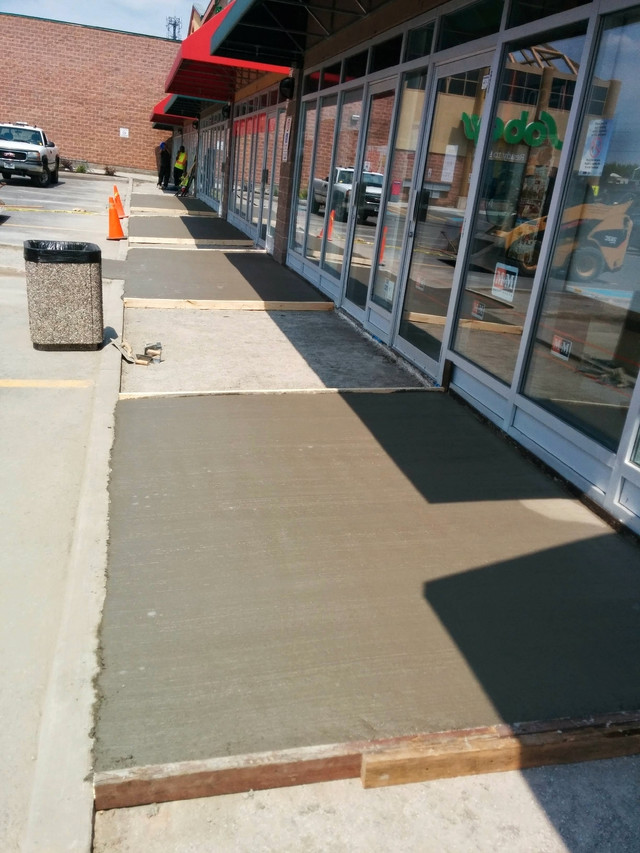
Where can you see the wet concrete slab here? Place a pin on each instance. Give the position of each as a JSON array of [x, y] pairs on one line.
[[209, 274], [169, 203], [185, 230], [293, 570], [216, 351]]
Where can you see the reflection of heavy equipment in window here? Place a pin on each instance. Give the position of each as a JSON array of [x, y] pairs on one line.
[[593, 238]]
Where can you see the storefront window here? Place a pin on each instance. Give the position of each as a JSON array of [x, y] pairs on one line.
[[419, 42], [321, 170], [441, 203], [275, 129], [336, 212], [471, 22], [240, 138], [525, 11], [257, 166], [635, 458], [307, 136], [362, 201], [356, 66], [584, 360], [386, 54], [398, 189], [517, 185], [331, 76]]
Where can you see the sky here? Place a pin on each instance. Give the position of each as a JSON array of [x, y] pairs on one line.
[[133, 16]]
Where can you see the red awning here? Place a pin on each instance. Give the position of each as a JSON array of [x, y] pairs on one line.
[[159, 116], [198, 74]]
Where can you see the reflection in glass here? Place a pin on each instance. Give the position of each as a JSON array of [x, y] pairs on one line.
[[536, 93], [386, 54], [356, 66], [440, 206], [321, 169], [584, 360], [275, 129], [246, 169], [470, 22], [307, 135], [239, 133], [335, 186], [220, 137], [331, 76], [635, 457], [368, 195], [419, 42], [398, 189], [256, 185]]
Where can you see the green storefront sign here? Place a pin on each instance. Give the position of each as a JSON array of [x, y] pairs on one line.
[[533, 133]]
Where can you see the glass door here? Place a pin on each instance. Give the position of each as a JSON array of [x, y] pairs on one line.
[[331, 185], [359, 199], [265, 177], [439, 205], [270, 205], [395, 209]]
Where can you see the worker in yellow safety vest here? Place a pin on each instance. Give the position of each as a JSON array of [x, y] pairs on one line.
[[179, 167]]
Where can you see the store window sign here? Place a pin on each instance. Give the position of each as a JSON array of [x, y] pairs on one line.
[[596, 146], [478, 309], [449, 164], [533, 133], [561, 347], [505, 278], [285, 139]]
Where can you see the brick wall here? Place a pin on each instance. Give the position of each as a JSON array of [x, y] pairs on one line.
[[82, 84]]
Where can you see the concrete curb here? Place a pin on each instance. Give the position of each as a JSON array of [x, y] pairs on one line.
[[61, 807]]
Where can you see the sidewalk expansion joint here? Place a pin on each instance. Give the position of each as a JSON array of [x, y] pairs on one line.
[[227, 304], [189, 241]]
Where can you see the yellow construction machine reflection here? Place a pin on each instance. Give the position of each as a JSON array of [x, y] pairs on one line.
[[593, 239]]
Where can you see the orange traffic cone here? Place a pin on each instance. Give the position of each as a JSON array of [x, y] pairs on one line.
[[115, 228], [332, 216], [118, 203]]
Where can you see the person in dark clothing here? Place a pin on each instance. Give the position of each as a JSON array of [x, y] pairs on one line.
[[164, 168]]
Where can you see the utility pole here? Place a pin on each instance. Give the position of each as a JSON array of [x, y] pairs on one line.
[[173, 28]]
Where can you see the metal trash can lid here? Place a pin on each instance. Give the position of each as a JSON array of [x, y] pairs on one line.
[[61, 252]]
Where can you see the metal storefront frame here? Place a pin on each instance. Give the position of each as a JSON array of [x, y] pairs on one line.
[[595, 470]]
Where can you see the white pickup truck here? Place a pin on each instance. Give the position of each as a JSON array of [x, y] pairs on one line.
[[25, 151], [370, 192]]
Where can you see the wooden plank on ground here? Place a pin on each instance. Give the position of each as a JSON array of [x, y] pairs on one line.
[[498, 749], [391, 761], [116, 789], [228, 304]]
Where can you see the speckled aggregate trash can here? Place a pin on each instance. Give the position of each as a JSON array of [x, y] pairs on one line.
[[64, 294]]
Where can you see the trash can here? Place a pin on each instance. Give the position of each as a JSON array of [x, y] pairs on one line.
[[64, 294]]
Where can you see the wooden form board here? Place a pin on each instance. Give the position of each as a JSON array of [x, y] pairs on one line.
[[497, 749], [393, 761], [227, 304]]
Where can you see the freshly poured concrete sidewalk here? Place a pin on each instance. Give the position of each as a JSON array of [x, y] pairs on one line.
[[290, 571]]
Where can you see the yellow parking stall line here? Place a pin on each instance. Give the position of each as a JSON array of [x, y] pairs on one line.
[[16, 209], [45, 383], [24, 226]]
